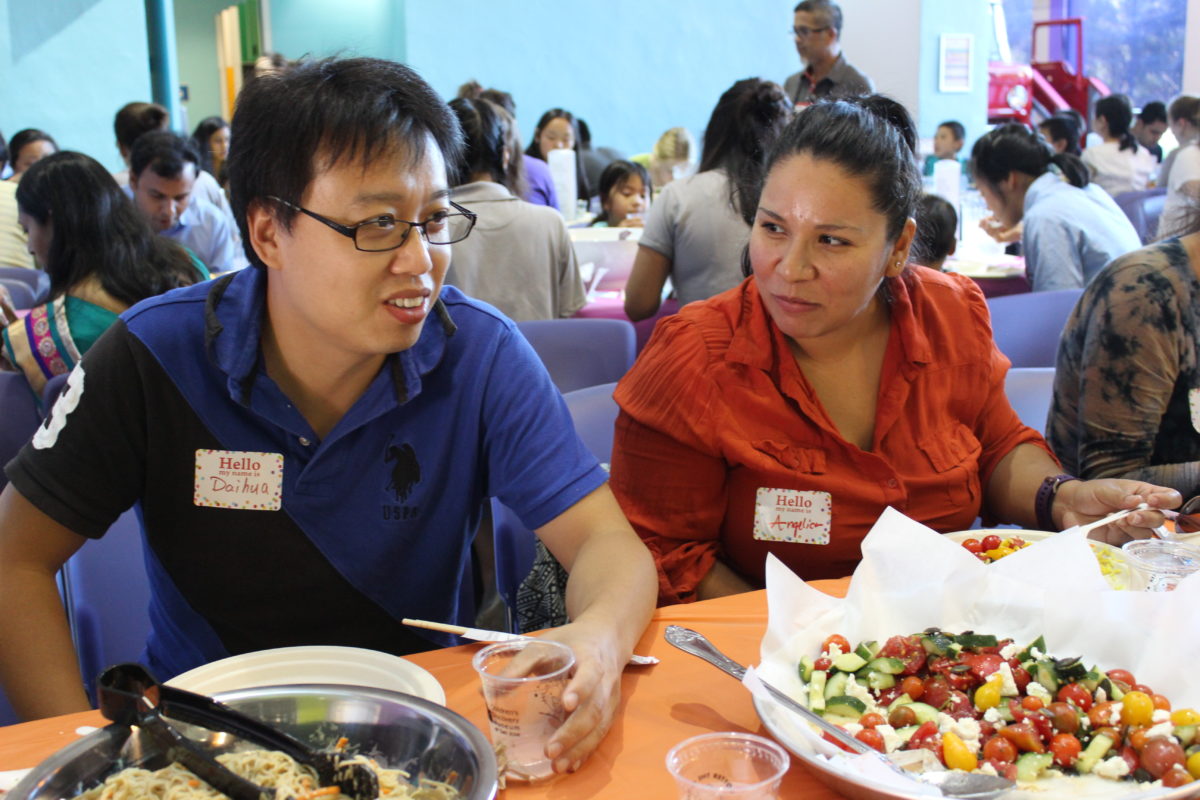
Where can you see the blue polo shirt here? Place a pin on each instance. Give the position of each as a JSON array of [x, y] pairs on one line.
[[374, 522]]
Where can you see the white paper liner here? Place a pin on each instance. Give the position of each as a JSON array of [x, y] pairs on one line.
[[912, 578]]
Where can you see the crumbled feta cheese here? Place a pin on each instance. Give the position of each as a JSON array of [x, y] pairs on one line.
[[1009, 650], [1008, 686], [1101, 695], [1162, 729], [1114, 717], [987, 769], [1160, 715], [992, 715], [834, 651], [968, 731], [945, 721], [1035, 689], [857, 690], [1038, 655], [853, 728], [891, 740], [1113, 768], [1053, 773], [1085, 721]]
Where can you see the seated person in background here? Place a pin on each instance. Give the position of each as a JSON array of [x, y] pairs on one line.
[[14, 244], [595, 159], [527, 177], [1062, 133], [1128, 372], [1180, 173], [336, 370], [162, 173], [947, 143], [1119, 164], [1149, 126], [556, 130], [519, 256], [624, 195], [101, 257], [937, 232], [833, 382], [1069, 234], [26, 148], [134, 119], [697, 226], [211, 140], [673, 157]]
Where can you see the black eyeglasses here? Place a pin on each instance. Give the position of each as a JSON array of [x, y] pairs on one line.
[[379, 234], [803, 31]]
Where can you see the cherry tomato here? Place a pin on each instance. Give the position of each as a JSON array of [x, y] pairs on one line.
[[913, 686], [1137, 709], [822, 662], [1077, 694], [1023, 735], [983, 558], [972, 545], [1122, 676], [871, 720], [1101, 714], [1185, 716], [1066, 749], [1143, 688], [959, 706], [1160, 754], [1176, 776], [1021, 678], [902, 717], [937, 691], [837, 639], [1015, 711], [1064, 716], [1131, 758], [1193, 764], [999, 749], [983, 664], [908, 649], [1030, 703], [988, 695], [1161, 702], [990, 542], [958, 755], [926, 737], [889, 696], [1137, 738], [1003, 769], [1043, 725], [1016, 542], [871, 738], [834, 741]]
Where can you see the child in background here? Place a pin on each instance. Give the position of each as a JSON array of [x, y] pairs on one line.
[[947, 143], [624, 195], [937, 226]]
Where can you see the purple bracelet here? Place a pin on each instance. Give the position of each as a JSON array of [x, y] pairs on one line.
[[1044, 501]]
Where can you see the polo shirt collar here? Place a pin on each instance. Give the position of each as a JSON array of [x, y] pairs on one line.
[[1044, 185], [757, 342], [836, 74], [233, 315]]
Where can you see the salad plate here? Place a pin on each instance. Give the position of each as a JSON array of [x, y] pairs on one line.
[[1113, 563]]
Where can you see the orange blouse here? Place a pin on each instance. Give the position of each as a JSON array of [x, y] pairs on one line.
[[716, 408]]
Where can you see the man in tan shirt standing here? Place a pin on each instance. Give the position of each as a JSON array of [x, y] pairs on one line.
[[817, 29]]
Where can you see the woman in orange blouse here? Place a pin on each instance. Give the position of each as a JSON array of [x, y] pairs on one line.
[[784, 415]]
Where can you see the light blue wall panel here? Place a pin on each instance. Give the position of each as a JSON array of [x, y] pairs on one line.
[[954, 16], [350, 27], [67, 66], [196, 46]]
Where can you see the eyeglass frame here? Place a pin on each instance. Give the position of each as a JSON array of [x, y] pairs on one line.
[[803, 31], [351, 231]]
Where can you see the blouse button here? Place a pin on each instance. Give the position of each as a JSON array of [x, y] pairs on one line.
[[892, 483], [304, 442]]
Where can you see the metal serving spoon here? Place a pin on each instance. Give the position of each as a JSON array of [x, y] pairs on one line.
[[966, 785]]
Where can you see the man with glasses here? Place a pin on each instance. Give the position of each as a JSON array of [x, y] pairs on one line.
[[310, 441], [817, 31]]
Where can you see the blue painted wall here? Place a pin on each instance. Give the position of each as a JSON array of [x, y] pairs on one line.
[[632, 69], [350, 28], [954, 16], [67, 66], [196, 47]]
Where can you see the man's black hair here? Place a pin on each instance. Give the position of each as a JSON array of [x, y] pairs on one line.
[[318, 114], [164, 152], [956, 128], [135, 119], [831, 11], [1152, 112]]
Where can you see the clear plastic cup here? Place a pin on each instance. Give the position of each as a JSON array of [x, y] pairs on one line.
[[1156, 565], [728, 766], [524, 708]]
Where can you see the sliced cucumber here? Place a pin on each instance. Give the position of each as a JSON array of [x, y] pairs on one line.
[[937, 643], [902, 700], [1032, 765], [1097, 749], [924, 712], [836, 684], [849, 662], [1043, 672], [867, 650], [892, 666], [845, 706], [1027, 655], [816, 690], [806, 668], [1092, 680], [1070, 669], [974, 641], [1186, 734], [906, 732], [880, 680]]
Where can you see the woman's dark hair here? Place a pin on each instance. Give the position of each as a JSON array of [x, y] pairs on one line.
[[484, 137], [1118, 116], [1014, 148], [96, 230], [27, 137], [859, 136], [134, 119], [613, 176], [3, 151], [1062, 129], [583, 189], [937, 230], [318, 114], [514, 176], [745, 122], [201, 138]]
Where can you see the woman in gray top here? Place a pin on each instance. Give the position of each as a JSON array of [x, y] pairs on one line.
[[697, 228]]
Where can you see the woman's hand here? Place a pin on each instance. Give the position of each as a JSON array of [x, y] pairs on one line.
[[592, 696], [996, 229], [1079, 502]]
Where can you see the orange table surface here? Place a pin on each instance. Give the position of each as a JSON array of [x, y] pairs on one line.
[[661, 705]]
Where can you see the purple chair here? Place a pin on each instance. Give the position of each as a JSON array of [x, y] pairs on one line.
[[37, 281], [1027, 327], [1030, 391], [22, 296], [594, 413], [1143, 209], [580, 352]]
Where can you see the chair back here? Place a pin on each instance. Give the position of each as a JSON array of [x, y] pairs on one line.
[[1027, 326], [1030, 391], [22, 296], [1143, 209], [36, 279], [582, 352], [594, 413]]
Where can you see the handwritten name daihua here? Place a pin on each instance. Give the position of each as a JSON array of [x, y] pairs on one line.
[[246, 486]]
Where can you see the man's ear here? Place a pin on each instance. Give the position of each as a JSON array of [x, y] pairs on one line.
[[132, 181], [265, 231]]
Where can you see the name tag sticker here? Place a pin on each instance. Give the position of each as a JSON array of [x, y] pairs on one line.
[[239, 479], [792, 515]]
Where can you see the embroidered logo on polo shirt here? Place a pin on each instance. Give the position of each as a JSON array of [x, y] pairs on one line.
[[406, 472], [47, 433]]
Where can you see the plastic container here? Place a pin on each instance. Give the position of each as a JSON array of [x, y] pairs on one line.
[[1157, 565]]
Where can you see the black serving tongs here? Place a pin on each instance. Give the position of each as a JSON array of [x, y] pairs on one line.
[[129, 695]]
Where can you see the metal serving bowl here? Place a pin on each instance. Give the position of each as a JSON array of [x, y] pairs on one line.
[[398, 730]]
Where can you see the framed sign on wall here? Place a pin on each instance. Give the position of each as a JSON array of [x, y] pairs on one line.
[[954, 62]]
